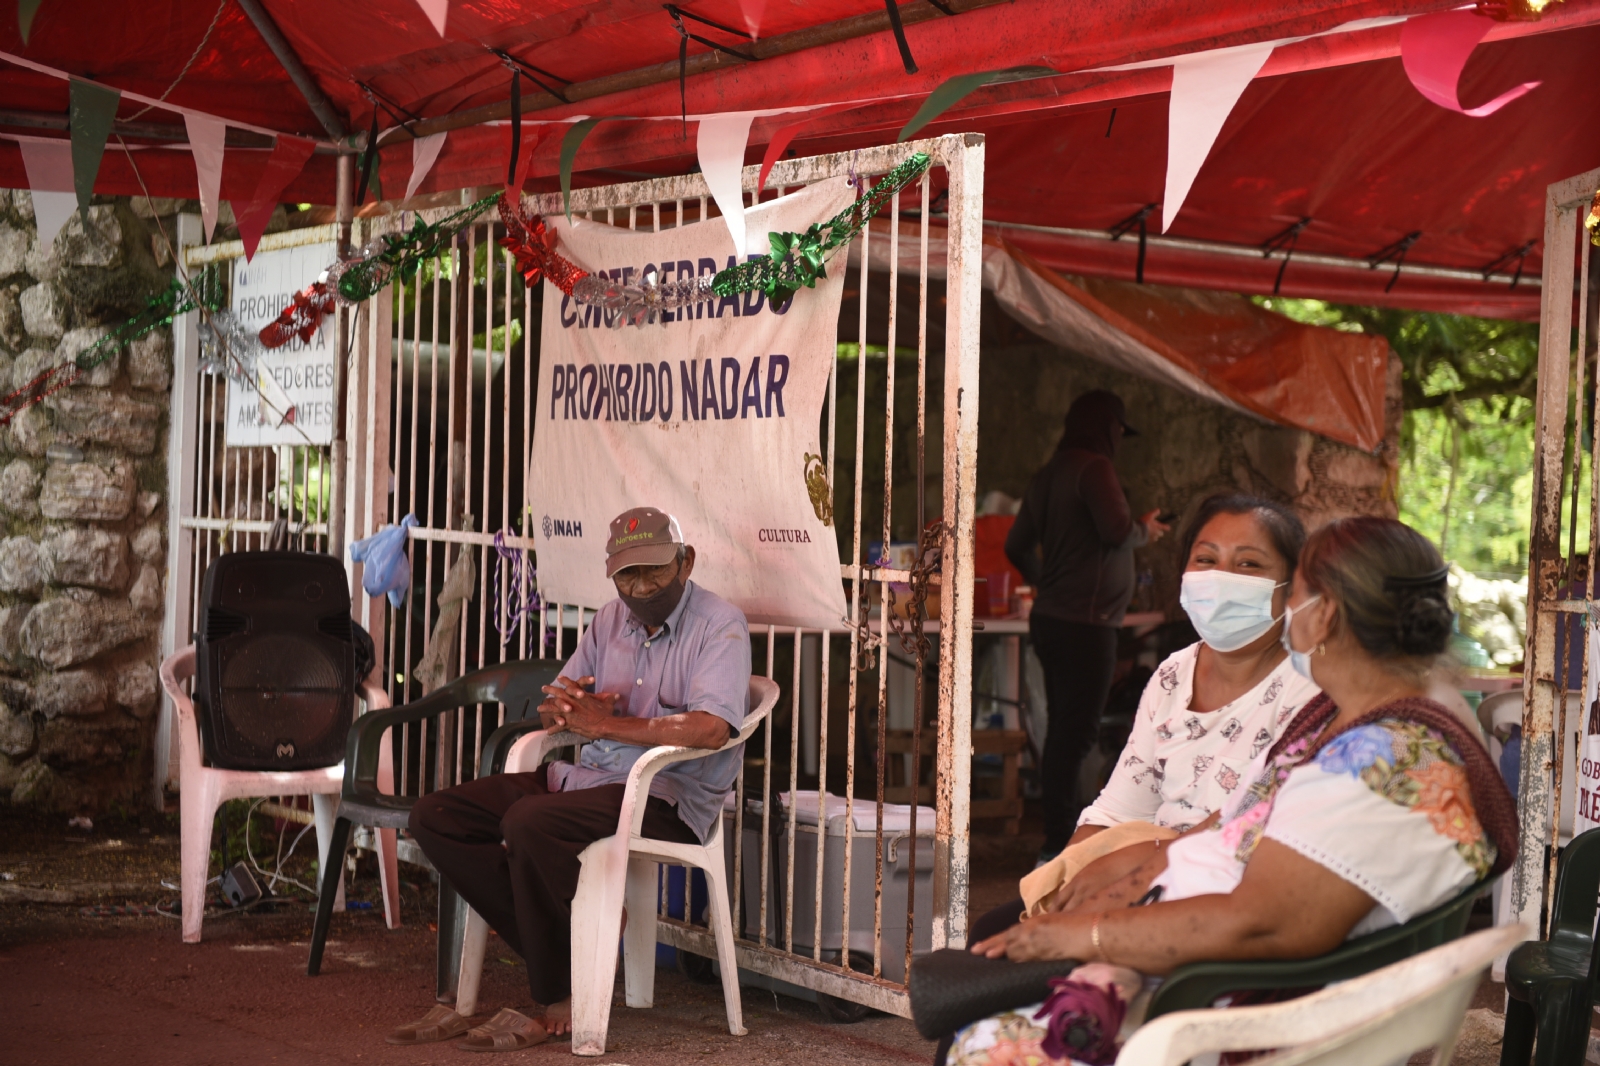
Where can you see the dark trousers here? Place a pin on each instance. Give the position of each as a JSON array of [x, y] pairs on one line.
[[1078, 660], [524, 886]]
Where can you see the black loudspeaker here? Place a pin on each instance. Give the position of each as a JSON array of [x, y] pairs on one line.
[[276, 680]]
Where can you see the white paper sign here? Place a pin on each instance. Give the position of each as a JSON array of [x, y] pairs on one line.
[[712, 416], [303, 370]]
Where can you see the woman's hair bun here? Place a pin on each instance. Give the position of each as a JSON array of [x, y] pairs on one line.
[[1425, 621]]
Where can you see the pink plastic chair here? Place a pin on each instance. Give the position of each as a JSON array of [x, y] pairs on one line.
[[202, 789]]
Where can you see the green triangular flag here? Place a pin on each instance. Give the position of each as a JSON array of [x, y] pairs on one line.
[[569, 152], [26, 9], [94, 110], [951, 92]]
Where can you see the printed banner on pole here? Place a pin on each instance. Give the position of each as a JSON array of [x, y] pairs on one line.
[[293, 402], [1587, 816], [713, 415]]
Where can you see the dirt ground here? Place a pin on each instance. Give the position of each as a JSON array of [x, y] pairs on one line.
[[83, 985]]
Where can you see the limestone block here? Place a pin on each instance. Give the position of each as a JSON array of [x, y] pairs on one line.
[[148, 502], [16, 732], [1282, 456], [35, 784], [75, 341], [30, 364], [19, 488], [1352, 468], [147, 547], [150, 361], [74, 693], [136, 686], [13, 250], [91, 557], [95, 243], [102, 417], [31, 431], [45, 311], [22, 200], [11, 619], [12, 332], [155, 207], [23, 567], [65, 744], [87, 491], [64, 632], [145, 596], [43, 261]]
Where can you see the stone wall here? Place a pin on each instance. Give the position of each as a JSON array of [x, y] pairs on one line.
[[1187, 450], [82, 515]]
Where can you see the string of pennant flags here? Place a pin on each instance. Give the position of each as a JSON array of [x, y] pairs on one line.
[[1205, 87]]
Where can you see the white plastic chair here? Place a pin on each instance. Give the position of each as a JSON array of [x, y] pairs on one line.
[[202, 789], [620, 871], [1380, 1018]]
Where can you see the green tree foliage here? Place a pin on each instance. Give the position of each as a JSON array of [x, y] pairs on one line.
[[1466, 449]]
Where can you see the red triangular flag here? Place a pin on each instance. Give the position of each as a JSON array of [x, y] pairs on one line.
[[288, 159]]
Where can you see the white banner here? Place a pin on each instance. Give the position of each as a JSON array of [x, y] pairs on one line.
[[1587, 816], [303, 370], [712, 416]]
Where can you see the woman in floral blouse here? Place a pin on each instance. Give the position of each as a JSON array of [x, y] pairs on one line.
[[1375, 805]]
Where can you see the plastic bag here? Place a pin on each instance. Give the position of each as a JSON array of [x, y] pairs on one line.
[[387, 567]]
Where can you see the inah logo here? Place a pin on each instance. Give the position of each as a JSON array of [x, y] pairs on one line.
[[561, 527]]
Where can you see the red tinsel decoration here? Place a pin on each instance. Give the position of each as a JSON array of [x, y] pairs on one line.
[[534, 246], [300, 318]]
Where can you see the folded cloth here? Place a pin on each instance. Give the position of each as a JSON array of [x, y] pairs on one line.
[[1042, 883]]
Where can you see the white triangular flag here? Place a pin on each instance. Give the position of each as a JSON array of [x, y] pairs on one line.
[[437, 11], [49, 168], [720, 144], [207, 136], [424, 151], [1204, 89]]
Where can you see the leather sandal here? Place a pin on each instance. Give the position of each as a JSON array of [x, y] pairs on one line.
[[440, 1023], [506, 1031]]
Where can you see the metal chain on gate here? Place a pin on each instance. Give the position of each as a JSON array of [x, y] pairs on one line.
[[910, 630]]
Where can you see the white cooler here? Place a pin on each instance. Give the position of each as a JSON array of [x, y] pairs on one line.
[[897, 862]]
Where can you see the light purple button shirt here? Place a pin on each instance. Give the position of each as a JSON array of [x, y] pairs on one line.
[[698, 661]]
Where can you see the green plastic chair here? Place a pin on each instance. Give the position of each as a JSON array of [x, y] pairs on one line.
[[519, 686], [1199, 985], [1550, 984]]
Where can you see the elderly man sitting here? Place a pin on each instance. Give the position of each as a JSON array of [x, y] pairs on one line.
[[668, 663]]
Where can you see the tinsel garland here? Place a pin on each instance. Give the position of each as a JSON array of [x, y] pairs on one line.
[[533, 245], [799, 259], [176, 299], [1591, 221], [399, 255], [301, 317]]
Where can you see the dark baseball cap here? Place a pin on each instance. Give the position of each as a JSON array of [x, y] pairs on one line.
[[642, 536]]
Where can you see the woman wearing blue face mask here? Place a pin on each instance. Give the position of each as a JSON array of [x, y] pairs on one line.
[[1209, 709]]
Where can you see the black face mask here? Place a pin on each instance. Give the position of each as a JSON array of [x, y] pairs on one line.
[[652, 611]]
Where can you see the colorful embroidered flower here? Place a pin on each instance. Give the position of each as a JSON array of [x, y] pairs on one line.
[[1445, 797], [1353, 751]]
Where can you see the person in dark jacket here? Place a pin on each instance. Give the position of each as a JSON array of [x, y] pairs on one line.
[[1073, 541]]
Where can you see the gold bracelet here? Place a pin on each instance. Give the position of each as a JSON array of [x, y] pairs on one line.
[[1094, 938]]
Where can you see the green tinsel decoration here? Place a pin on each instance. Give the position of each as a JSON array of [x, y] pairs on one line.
[[402, 253], [799, 259]]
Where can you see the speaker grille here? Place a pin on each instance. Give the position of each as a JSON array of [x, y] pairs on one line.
[[336, 626], [281, 685], [222, 623]]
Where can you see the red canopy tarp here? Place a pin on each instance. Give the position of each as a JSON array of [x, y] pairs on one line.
[[1331, 129]]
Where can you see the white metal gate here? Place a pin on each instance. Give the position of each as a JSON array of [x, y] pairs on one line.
[[440, 423], [1563, 599]]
